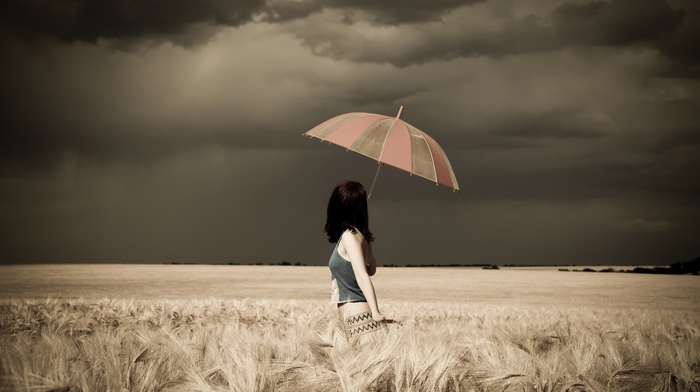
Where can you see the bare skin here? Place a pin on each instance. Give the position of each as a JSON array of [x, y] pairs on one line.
[[355, 249]]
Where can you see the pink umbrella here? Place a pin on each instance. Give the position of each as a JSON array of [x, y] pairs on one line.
[[391, 141]]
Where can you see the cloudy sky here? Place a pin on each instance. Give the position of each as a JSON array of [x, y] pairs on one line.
[[150, 131]]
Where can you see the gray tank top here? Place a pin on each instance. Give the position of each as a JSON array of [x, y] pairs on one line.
[[344, 287]]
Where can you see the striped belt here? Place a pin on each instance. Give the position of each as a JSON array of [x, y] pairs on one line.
[[359, 324]]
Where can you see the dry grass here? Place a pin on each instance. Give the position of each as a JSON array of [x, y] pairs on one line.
[[211, 328], [263, 345]]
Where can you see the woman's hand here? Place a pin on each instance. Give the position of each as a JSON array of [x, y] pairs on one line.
[[378, 317]]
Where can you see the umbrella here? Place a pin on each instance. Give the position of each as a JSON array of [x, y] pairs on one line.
[[391, 141]]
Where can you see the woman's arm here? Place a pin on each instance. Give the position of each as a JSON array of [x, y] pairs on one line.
[[353, 246], [372, 266]]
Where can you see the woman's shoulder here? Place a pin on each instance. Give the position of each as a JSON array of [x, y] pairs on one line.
[[353, 235]]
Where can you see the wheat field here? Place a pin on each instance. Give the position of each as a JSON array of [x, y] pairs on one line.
[[263, 328]]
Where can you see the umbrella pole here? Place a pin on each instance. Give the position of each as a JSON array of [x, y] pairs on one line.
[[374, 182]]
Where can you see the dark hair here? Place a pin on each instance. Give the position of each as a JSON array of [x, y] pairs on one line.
[[347, 210]]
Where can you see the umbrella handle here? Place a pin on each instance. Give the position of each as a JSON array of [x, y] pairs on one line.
[[374, 182]]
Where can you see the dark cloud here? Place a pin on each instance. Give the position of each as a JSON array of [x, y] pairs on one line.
[[437, 30], [181, 21], [463, 33], [378, 12], [616, 23], [572, 150], [675, 139], [89, 21], [365, 42], [63, 99], [579, 124], [680, 46], [412, 11]]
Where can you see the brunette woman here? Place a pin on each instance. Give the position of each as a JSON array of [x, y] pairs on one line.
[[352, 263]]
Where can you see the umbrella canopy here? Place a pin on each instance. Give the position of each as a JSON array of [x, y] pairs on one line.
[[391, 141]]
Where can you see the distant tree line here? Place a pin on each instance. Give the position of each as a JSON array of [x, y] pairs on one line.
[[258, 263], [484, 266], [681, 268]]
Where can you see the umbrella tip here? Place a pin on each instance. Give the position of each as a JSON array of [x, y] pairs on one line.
[[400, 111]]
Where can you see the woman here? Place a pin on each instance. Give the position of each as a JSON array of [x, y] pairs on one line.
[[352, 263]]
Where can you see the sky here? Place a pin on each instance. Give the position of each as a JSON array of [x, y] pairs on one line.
[[143, 131]]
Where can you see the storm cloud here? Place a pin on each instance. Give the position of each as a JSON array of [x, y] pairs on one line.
[[171, 132], [88, 21], [485, 29]]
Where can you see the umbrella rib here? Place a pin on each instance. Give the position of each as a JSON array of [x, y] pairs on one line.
[[386, 139], [432, 158]]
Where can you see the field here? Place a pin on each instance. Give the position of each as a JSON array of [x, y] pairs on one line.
[[245, 328]]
